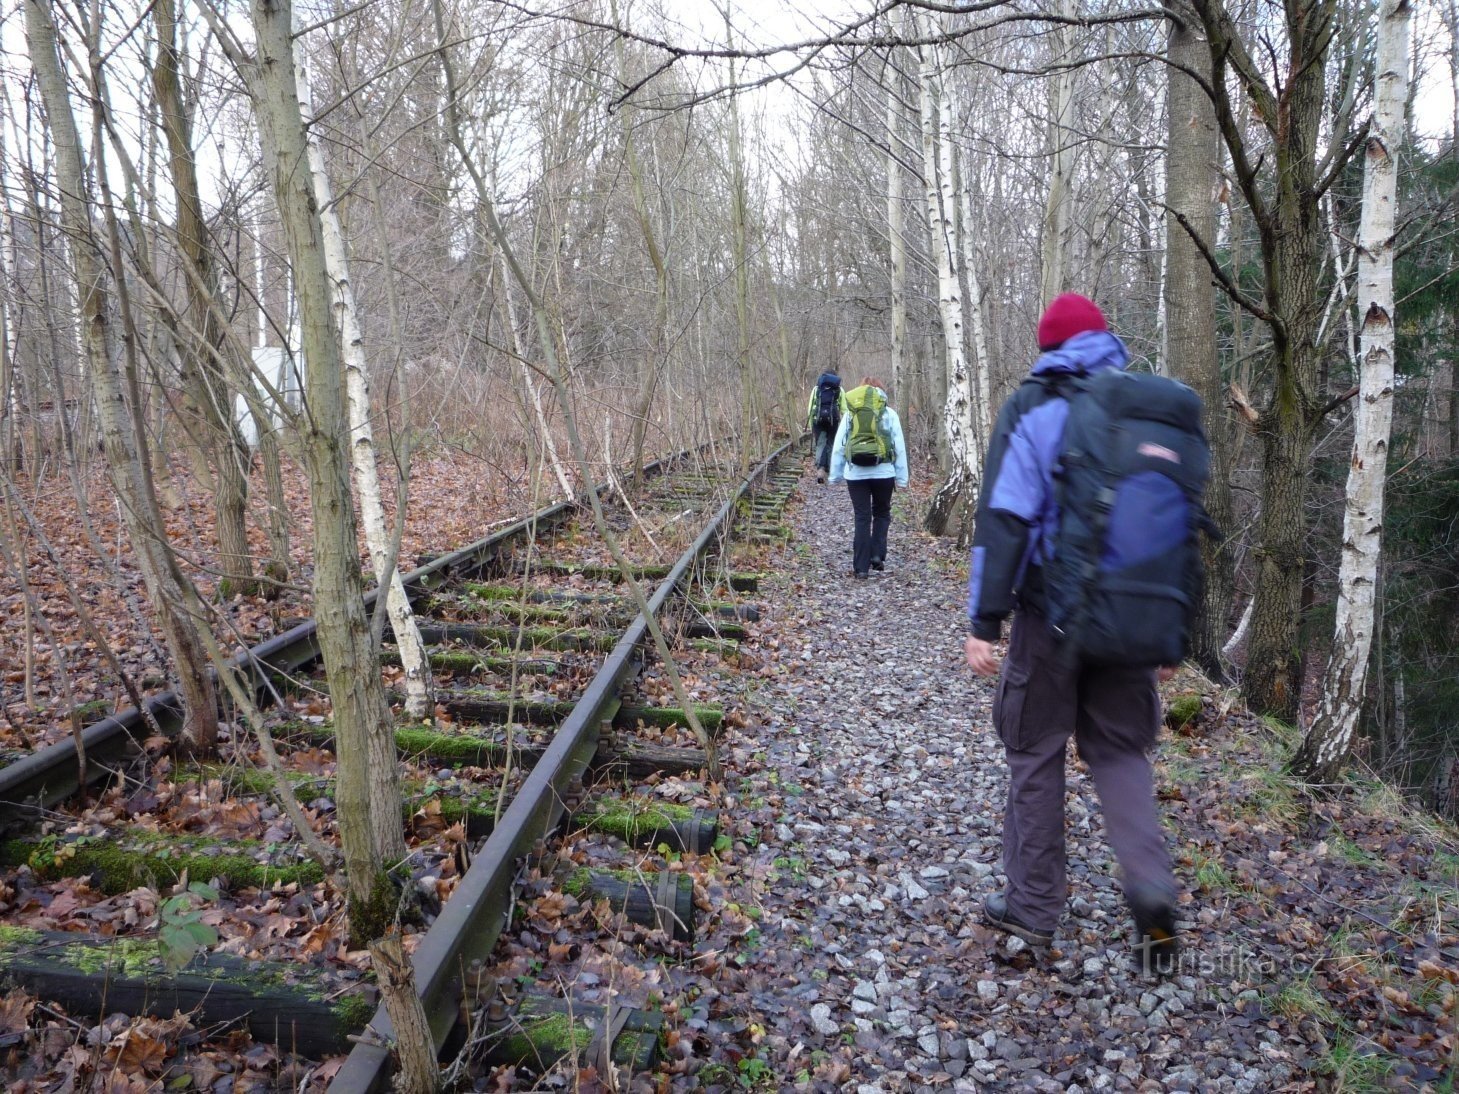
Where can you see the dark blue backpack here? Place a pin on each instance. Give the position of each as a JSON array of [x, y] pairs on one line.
[[1125, 579], [828, 401]]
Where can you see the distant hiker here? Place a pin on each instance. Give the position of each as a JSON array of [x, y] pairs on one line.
[[870, 454], [823, 415], [1054, 683]]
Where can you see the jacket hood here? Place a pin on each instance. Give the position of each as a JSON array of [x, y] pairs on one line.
[[1086, 353]]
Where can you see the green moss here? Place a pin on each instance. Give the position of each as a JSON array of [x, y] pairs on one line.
[[354, 1010], [371, 917], [451, 748], [130, 957], [724, 647], [479, 808], [710, 717], [629, 818], [155, 860], [546, 1038], [580, 882], [12, 938], [1183, 710], [483, 591]]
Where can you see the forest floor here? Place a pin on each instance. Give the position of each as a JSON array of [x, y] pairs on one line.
[[50, 664], [1321, 946]]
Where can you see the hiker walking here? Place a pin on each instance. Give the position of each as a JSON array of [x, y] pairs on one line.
[[1090, 673], [871, 455], [823, 415]]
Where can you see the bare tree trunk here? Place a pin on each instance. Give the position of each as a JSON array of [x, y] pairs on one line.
[[379, 541], [1192, 354], [1284, 202], [1058, 208], [170, 595], [739, 212], [658, 349], [1330, 737], [204, 375], [371, 834]]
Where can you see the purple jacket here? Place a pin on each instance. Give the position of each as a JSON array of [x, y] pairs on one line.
[[1017, 514]]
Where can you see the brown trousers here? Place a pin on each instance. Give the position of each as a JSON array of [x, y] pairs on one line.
[[1113, 716]]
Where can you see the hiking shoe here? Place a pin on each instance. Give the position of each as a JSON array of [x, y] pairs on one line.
[[1157, 943], [820, 476], [878, 564], [996, 915], [860, 574]]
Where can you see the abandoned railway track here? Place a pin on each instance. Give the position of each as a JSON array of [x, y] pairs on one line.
[[554, 796]]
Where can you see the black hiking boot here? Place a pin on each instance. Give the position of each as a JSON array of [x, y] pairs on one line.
[[878, 564], [995, 915], [1157, 942]]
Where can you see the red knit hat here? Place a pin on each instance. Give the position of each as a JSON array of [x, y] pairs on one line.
[[1066, 316]]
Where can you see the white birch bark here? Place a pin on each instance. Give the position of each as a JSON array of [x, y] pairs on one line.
[[895, 235], [951, 503], [981, 371], [1058, 208], [378, 538], [1330, 737]]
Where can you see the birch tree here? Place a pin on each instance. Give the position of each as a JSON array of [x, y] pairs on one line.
[[1330, 736], [378, 539], [951, 506], [896, 229]]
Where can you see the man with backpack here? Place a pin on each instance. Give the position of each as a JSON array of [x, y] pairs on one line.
[[823, 415], [1087, 523], [870, 454]]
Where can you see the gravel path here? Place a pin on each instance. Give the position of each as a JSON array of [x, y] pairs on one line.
[[875, 784]]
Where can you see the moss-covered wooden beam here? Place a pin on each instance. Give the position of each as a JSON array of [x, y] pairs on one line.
[[540, 1030], [629, 759], [722, 647], [481, 705], [473, 804], [722, 608], [711, 717], [661, 900], [596, 571], [449, 660], [119, 862], [650, 822], [506, 638], [297, 1007]]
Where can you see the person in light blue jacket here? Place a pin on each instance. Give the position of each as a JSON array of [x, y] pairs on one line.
[[870, 453]]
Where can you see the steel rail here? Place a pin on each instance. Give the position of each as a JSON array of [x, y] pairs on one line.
[[472, 919], [50, 775]]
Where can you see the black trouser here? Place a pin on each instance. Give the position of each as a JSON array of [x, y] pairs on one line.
[[824, 435], [871, 501]]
